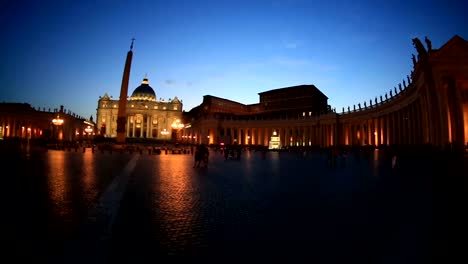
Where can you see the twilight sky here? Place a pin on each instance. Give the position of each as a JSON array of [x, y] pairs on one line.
[[71, 52]]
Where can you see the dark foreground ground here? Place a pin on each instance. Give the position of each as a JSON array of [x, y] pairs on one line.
[[74, 207]]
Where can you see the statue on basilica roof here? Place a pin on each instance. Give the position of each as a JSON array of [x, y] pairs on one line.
[[428, 43]]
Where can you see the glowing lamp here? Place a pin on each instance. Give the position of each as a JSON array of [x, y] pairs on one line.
[[57, 121]]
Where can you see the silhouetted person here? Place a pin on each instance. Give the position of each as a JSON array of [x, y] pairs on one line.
[[198, 155], [205, 155], [226, 152]]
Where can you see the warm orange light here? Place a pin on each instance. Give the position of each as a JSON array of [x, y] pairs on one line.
[[164, 132], [88, 129], [177, 124], [57, 121]]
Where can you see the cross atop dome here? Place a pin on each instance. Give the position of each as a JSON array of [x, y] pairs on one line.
[[131, 46]]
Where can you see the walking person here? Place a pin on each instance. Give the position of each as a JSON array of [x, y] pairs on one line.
[[198, 156], [205, 155]]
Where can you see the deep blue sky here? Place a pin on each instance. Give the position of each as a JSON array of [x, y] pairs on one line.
[[72, 52]]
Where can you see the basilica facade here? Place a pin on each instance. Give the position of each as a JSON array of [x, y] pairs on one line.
[[146, 116]]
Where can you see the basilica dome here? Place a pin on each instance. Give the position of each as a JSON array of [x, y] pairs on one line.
[[144, 92]]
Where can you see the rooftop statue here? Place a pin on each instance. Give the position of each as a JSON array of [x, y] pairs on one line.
[[428, 43], [422, 53]]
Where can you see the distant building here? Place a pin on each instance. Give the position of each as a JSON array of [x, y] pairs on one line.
[[21, 121], [429, 107], [283, 103], [147, 117]]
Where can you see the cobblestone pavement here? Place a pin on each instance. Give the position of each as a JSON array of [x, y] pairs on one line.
[[74, 207]]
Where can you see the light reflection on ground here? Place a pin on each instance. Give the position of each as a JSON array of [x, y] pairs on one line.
[[57, 182]]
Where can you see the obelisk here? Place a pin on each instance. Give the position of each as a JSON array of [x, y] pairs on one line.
[[122, 114]]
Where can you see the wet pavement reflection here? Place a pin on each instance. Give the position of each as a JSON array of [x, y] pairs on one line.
[[287, 204]]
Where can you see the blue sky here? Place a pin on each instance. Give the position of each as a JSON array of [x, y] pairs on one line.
[[71, 52]]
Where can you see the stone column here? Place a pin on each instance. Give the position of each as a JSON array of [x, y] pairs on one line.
[[127, 127], [148, 126]]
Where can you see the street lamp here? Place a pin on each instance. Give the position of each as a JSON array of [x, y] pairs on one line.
[[58, 122], [177, 125], [164, 132], [88, 130]]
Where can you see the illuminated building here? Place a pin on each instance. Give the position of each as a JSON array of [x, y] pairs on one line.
[[146, 116], [429, 107], [21, 121]]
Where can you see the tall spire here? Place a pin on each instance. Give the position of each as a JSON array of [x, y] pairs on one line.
[[122, 112]]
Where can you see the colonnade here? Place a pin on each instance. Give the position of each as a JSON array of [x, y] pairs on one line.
[[20, 128], [410, 119], [140, 125], [432, 109]]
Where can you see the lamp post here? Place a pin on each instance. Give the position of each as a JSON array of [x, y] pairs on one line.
[[164, 132], [177, 125], [58, 122], [88, 131]]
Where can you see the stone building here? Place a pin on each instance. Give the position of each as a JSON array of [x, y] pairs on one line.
[[22, 121], [429, 107], [146, 116]]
